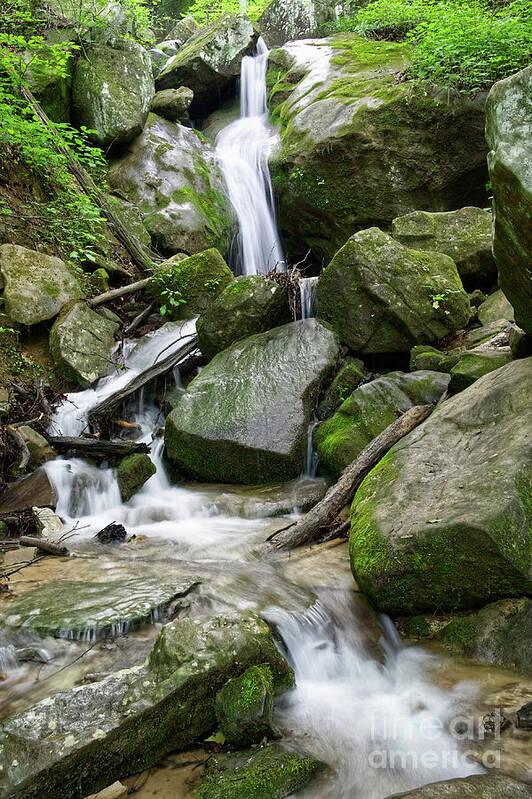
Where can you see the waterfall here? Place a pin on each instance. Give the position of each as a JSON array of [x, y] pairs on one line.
[[307, 296], [243, 149]]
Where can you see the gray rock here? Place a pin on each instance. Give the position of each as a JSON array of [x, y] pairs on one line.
[[494, 308], [112, 90], [24, 494], [81, 342], [482, 786], [509, 136], [183, 30], [40, 449], [286, 20], [232, 425], [173, 104], [171, 175], [380, 296], [463, 235], [443, 521], [36, 285], [131, 218], [79, 741], [209, 62], [475, 364], [350, 376]]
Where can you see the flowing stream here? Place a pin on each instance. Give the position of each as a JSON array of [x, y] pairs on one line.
[[243, 149]]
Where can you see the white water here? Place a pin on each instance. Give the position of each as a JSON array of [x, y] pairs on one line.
[[307, 296], [243, 149]]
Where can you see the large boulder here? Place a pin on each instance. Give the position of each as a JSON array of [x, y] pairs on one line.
[[190, 286], [495, 307], [500, 633], [474, 364], [173, 104], [360, 147], [171, 175], [209, 62], [79, 741], [509, 136], [244, 419], [36, 286], [81, 342], [443, 520], [112, 90], [286, 20], [246, 306], [481, 786], [369, 410], [244, 707], [464, 235], [349, 376], [379, 296], [38, 447]]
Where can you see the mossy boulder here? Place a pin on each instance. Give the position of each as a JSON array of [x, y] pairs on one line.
[[132, 473], [131, 218], [500, 633], [495, 307], [246, 306], [36, 286], [195, 283], [379, 296], [244, 707], [39, 448], [463, 235], [475, 364], [369, 410], [112, 89], [480, 786], [422, 356], [360, 147], [443, 520], [287, 20], [271, 772], [350, 376], [170, 174], [209, 62], [79, 741], [231, 424], [81, 342], [173, 104], [509, 132]]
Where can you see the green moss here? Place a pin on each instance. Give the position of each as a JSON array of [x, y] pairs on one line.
[[417, 626], [461, 634], [244, 706], [133, 471]]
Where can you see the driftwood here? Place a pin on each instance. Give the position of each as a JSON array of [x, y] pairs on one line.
[[121, 292], [43, 544], [342, 493], [95, 448], [138, 320], [159, 368], [139, 254]]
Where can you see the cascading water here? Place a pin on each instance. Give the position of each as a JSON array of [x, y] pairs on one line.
[[307, 296], [243, 149]]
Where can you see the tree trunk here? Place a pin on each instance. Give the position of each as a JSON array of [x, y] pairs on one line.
[[343, 492], [43, 544], [121, 292], [94, 448]]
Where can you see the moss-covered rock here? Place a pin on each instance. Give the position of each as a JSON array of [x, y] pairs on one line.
[[368, 411], [360, 148], [422, 356], [463, 235], [495, 307], [194, 284], [132, 473], [36, 286], [443, 521], [270, 772], [170, 173], [379, 296], [246, 306], [231, 424], [209, 62], [500, 633], [79, 741], [81, 342], [39, 448], [350, 376], [244, 707], [86, 611], [481, 786], [173, 104], [131, 218], [112, 90], [287, 20], [475, 364], [509, 132]]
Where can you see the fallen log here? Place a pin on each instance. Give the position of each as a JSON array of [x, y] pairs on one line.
[[43, 544], [342, 493], [95, 447], [159, 368], [107, 296]]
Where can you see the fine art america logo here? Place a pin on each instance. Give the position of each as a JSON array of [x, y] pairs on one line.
[[403, 743]]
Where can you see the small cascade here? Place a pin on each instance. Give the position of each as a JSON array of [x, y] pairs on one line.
[[243, 149], [311, 456], [307, 296]]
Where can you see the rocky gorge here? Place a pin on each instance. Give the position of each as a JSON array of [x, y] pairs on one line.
[[266, 417]]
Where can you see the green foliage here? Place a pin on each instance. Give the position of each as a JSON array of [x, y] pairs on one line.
[[462, 44], [208, 10]]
